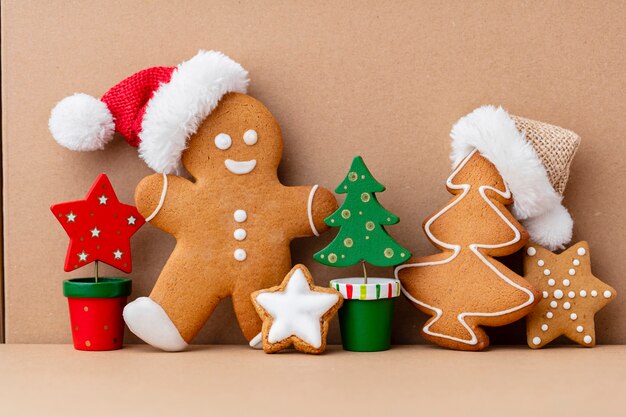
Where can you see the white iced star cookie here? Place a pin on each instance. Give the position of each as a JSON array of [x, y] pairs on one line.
[[296, 312]]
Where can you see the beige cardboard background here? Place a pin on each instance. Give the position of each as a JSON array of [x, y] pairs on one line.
[[385, 80]]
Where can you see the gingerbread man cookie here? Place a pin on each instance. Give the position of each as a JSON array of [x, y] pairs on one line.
[[296, 312], [571, 295], [232, 225]]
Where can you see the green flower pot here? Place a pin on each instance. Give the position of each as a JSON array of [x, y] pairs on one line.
[[367, 312]]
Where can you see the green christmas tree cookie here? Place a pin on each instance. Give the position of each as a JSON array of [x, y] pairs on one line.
[[361, 218]]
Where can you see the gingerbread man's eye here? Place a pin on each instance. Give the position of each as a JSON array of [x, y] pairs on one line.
[[223, 141], [250, 137]]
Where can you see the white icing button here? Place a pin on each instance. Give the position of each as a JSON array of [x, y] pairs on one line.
[[566, 282], [571, 294], [240, 216], [587, 339], [579, 329], [583, 293], [594, 293], [576, 262], [240, 234], [572, 271], [551, 282], [240, 255], [540, 262], [544, 327], [554, 304], [567, 305], [546, 272], [545, 294], [607, 294], [536, 340], [549, 314], [250, 137], [573, 316], [531, 251], [581, 251], [558, 294]]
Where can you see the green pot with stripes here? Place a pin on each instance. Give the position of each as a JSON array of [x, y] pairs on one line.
[[367, 312]]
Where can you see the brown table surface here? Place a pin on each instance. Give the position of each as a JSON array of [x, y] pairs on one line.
[[56, 380]]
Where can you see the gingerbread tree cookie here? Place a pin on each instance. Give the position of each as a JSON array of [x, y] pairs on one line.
[[296, 312], [571, 295], [463, 287]]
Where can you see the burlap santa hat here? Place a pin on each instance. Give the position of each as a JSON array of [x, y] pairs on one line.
[[156, 109], [533, 158]]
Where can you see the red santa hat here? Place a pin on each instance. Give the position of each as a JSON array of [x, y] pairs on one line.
[[156, 109], [521, 149]]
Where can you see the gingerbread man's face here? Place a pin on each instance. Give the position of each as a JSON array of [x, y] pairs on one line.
[[239, 139]]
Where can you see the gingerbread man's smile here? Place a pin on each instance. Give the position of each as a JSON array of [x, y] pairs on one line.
[[240, 167]]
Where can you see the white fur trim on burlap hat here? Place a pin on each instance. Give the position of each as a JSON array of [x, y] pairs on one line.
[[536, 204]]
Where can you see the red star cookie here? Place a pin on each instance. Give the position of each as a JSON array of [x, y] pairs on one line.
[[571, 295], [99, 227]]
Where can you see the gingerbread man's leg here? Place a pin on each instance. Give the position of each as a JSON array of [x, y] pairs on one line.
[[265, 276], [183, 298]]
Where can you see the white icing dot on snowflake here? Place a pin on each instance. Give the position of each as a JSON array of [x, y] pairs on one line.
[[546, 272], [240, 216], [572, 271], [567, 305], [544, 327], [581, 251], [587, 339], [531, 251], [566, 282], [579, 329], [554, 304], [571, 294], [573, 316], [583, 293], [545, 294], [551, 282], [594, 293], [240, 255], [540, 262], [549, 314], [576, 262], [558, 294], [536, 340], [607, 294]]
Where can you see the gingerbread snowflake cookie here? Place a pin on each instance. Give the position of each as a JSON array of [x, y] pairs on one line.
[[571, 295], [296, 313]]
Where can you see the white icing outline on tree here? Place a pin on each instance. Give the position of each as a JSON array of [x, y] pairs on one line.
[[474, 248]]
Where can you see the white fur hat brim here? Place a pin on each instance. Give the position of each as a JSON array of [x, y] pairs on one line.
[[177, 108], [536, 204]]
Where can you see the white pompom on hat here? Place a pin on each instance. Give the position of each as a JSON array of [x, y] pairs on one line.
[[156, 109], [522, 164]]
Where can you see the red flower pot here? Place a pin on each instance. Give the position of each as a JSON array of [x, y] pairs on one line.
[[96, 311]]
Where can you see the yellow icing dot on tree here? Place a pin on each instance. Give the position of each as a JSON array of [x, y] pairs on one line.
[[353, 243]]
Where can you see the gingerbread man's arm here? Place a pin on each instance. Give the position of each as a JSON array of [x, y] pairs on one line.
[[308, 207], [157, 198]]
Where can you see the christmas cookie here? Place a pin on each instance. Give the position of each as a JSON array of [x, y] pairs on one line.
[[296, 313], [571, 295], [234, 222], [464, 287]]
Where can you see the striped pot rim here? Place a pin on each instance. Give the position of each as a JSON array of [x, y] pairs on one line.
[[375, 289]]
